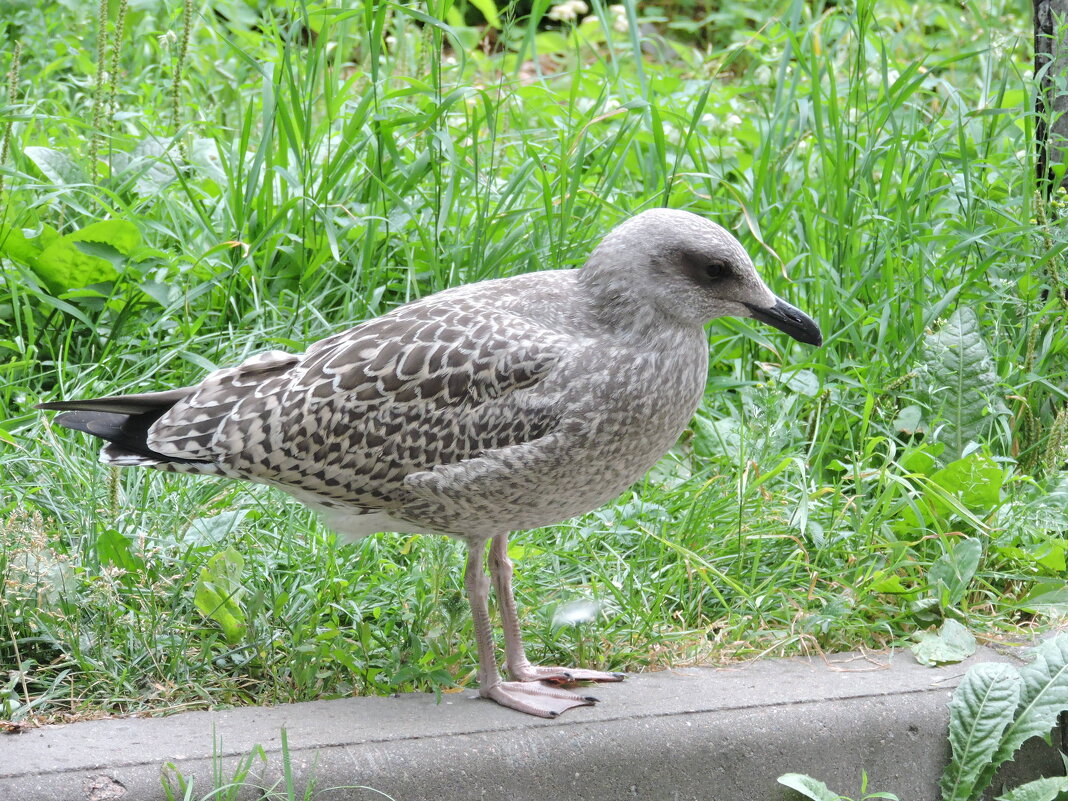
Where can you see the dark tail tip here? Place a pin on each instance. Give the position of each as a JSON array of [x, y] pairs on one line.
[[127, 432]]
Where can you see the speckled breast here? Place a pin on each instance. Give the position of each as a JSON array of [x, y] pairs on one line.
[[621, 422]]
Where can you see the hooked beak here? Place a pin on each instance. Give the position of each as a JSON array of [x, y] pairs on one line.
[[790, 320]]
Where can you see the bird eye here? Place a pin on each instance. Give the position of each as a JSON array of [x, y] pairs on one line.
[[715, 270]]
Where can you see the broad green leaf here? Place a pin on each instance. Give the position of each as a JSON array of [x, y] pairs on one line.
[[954, 570], [1045, 600], [982, 707], [1051, 556], [218, 593], [146, 167], [952, 643], [961, 385], [888, 582], [15, 245], [1043, 697], [65, 266], [119, 234], [551, 42], [210, 530], [56, 166], [926, 611], [158, 291], [204, 156], [808, 787], [923, 459], [910, 420], [804, 382], [115, 549], [718, 438], [1039, 790], [977, 479], [38, 575]]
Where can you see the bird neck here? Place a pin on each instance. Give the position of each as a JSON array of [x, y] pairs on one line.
[[615, 306]]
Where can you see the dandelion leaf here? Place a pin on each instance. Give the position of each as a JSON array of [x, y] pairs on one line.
[[1043, 696], [981, 709], [961, 389]]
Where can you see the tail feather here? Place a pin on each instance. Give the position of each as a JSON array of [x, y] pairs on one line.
[[123, 421], [121, 404], [106, 425]]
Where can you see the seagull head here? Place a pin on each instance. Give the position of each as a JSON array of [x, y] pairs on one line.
[[688, 269]]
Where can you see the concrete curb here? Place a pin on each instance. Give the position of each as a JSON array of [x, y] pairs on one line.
[[721, 734]]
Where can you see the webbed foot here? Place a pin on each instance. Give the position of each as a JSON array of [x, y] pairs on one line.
[[534, 698]]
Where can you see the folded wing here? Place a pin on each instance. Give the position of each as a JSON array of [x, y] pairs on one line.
[[344, 424]]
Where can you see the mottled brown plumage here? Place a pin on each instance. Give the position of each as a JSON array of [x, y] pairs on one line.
[[502, 405]]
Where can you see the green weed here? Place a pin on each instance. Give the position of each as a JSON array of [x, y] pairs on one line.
[[268, 176], [994, 711]]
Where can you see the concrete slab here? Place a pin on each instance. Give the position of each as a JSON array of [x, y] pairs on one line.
[[712, 734]]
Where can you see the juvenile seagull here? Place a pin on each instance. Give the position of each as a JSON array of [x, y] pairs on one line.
[[503, 405]]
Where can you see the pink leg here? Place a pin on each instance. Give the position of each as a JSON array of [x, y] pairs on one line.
[[534, 699], [515, 657]]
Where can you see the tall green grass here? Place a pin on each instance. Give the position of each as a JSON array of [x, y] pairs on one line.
[[324, 165]]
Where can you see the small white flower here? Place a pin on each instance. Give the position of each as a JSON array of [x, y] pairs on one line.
[[168, 39], [620, 24], [568, 11]]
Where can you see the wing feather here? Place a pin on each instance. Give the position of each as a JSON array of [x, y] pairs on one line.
[[187, 429], [348, 421]]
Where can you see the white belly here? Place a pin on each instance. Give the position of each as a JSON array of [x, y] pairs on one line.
[[354, 527]]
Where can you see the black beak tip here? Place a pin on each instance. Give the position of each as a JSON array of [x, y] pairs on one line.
[[790, 320]]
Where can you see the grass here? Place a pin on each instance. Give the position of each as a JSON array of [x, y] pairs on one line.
[[310, 168], [231, 778]]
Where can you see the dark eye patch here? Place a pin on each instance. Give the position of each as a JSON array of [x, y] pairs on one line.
[[715, 269], [704, 268]]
